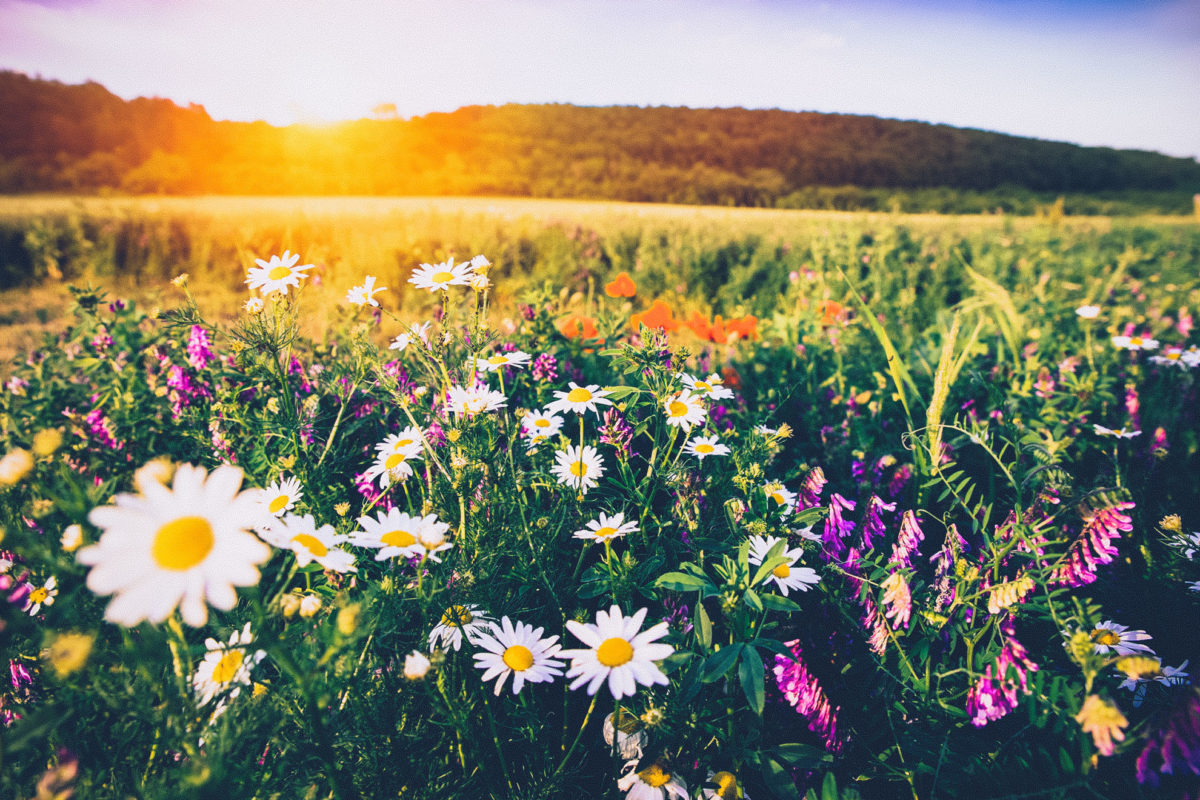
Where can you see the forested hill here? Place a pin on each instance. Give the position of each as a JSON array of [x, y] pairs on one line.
[[84, 138]]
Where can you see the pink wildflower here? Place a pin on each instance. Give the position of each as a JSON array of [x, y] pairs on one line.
[[804, 693]]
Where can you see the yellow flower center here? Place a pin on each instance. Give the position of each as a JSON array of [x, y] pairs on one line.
[[677, 409], [727, 785], [394, 460], [605, 532], [311, 543], [518, 658], [398, 538], [182, 543], [704, 447], [278, 273], [541, 423], [227, 667], [782, 571], [457, 616], [279, 503], [442, 276], [39, 594], [1172, 356], [1136, 341], [704, 386], [1105, 637], [579, 395], [778, 497], [401, 444], [497, 360], [614, 652], [654, 776], [579, 469]]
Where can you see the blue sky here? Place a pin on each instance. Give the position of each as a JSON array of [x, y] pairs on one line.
[[1108, 72]]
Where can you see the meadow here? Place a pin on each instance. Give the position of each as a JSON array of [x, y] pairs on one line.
[[491, 498]]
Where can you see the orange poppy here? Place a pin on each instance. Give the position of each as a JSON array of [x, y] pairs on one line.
[[832, 312], [578, 326], [731, 378], [623, 286], [699, 325], [658, 315], [745, 328]]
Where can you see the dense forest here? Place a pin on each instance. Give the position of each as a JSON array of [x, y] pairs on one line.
[[82, 138]]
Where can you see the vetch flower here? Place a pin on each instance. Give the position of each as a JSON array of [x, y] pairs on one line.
[[282, 495], [704, 446], [579, 399], [787, 575], [1109, 636], [184, 547], [301, 535], [1104, 721], [684, 410], [654, 782], [519, 651], [277, 274], [226, 667], [617, 651], [804, 693], [459, 621], [581, 469], [365, 294], [440, 277], [606, 528]]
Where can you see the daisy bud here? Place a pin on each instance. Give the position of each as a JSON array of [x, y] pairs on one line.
[[72, 538], [289, 604], [416, 666], [309, 605], [347, 619]]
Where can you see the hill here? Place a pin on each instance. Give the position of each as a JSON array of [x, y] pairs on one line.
[[58, 137]]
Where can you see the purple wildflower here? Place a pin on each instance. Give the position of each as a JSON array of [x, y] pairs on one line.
[[1094, 545], [1174, 747], [102, 429], [810, 490], [899, 480], [617, 432], [995, 693], [199, 350], [908, 541], [837, 527], [804, 693], [545, 368], [873, 525]]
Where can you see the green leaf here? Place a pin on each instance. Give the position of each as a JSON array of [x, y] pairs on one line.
[[802, 756], [620, 392], [750, 673], [719, 662], [771, 560], [779, 779], [775, 602], [680, 582], [703, 626], [751, 598], [829, 790]]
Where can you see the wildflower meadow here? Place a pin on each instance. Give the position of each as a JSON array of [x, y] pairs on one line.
[[889, 519]]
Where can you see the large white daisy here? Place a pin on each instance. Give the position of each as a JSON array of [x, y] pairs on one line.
[[184, 547], [519, 651], [365, 294], [407, 441], [711, 388], [1109, 636], [516, 359], [440, 277], [782, 497], [390, 467], [655, 782], [579, 399], [397, 534], [684, 410], [581, 469], [703, 446], [277, 274], [226, 666], [786, 576], [617, 651], [282, 495], [479, 399], [310, 543], [459, 621], [606, 527]]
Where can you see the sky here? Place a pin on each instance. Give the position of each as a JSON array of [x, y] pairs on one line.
[[1117, 73]]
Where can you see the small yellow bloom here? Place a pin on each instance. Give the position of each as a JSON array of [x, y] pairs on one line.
[[342, 509], [69, 652], [1103, 721], [287, 462], [180, 280], [1140, 667], [347, 619], [15, 466], [453, 435], [289, 604], [47, 442], [1171, 523], [784, 432], [259, 690]]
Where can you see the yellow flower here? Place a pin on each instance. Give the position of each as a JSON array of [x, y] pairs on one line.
[[342, 509], [69, 652], [47, 442], [1139, 667], [72, 538], [1103, 721], [1171, 523], [15, 466]]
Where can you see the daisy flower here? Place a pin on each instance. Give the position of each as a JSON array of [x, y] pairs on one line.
[[475, 400], [712, 387], [723, 786], [541, 425], [226, 666], [301, 535], [277, 274], [581, 469], [184, 547], [1120, 433], [519, 651], [42, 596], [457, 622], [606, 527], [579, 399], [398, 535], [630, 733], [414, 333], [516, 359], [1184, 359], [1088, 312], [787, 575], [365, 294], [1134, 343], [407, 441], [781, 496], [416, 666], [685, 410], [1109, 636], [440, 277], [281, 495], [253, 305], [617, 651], [654, 782], [702, 446], [392, 467]]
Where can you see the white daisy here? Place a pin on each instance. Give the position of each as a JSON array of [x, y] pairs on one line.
[[392, 467], [186, 546], [253, 305], [1134, 343], [397, 535], [654, 782], [414, 333], [440, 277], [617, 651], [786, 576], [1088, 312], [543, 424], [416, 666], [1177, 356], [516, 359], [763, 430], [723, 786], [277, 274], [579, 469], [475, 400], [684, 410], [702, 446], [365, 294], [1109, 636], [301, 535], [1120, 433], [781, 496], [579, 399], [281, 495], [42, 596], [407, 441], [459, 621], [606, 527], [226, 667], [519, 651], [630, 733], [480, 262], [711, 387]]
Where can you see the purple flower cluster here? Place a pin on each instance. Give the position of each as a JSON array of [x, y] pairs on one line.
[[199, 349], [837, 528], [616, 432], [102, 429], [1174, 748], [995, 693], [804, 693], [810, 490], [1094, 546], [908, 541], [545, 368], [873, 524]]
